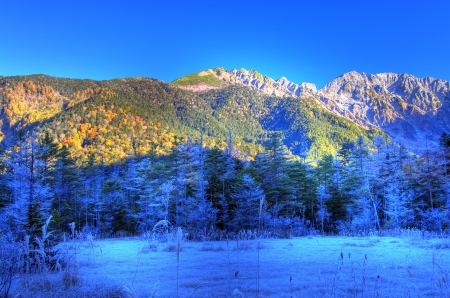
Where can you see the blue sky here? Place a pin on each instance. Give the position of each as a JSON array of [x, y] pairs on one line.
[[305, 41]]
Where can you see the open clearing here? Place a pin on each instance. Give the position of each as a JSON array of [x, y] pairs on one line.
[[298, 267]]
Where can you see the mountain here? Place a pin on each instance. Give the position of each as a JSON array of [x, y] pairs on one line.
[[409, 109], [414, 112], [306, 126], [219, 77], [108, 121]]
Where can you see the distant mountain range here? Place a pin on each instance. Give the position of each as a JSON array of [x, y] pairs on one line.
[[112, 120], [414, 112]]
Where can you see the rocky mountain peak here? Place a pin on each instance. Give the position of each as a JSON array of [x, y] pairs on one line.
[[408, 108], [403, 105], [203, 81], [280, 87]]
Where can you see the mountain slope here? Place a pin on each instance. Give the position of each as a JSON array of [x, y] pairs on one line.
[[108, 120], [307, 127], [111, 120], [412, 111]]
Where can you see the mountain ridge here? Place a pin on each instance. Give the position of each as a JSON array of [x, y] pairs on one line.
[[115, 119], [142, 114], [408, 108]]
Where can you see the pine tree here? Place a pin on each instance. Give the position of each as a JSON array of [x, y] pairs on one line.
[[65, 182], [28, 184], [322, 213], [116, 215], [271, 166], [247, 199], [432, 197], [358, 185], [301, 186], [147, 195], [399, 206], [444, 143], [5, 191], [215, 168]]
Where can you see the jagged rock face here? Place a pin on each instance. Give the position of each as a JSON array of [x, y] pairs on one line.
[[407, 108], [411, 110], [281, 87]]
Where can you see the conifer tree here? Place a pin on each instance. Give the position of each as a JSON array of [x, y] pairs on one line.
[[247, 198], [322, 213], [28, 184], [301, 187], [432, 197], [271, 166], [444, 143], [65, 182]]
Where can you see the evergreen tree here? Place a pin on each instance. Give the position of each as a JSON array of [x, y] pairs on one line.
[[65, 182], [322, 213], [444, 143], [247, 199], [357, 184], [271, 167], [344, 153], [147, 195], [431, 197], [215, 169], [26, 180], [301, 186], [131, 187], [116, 214], [5, 191], [399, 206]]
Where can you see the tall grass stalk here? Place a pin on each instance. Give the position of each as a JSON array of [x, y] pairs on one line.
[[179, 238], [229, 267], [440, 276], [257, 277], [137, 266], [261, 202], [433, 264]]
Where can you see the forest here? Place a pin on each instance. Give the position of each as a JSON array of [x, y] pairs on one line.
[[126, 155], [209, 192]]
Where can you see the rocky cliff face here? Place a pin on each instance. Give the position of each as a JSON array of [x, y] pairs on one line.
[[281, 87], [409, 109], [413, 111]]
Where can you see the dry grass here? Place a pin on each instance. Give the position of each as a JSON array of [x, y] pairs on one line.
[[300, 267]]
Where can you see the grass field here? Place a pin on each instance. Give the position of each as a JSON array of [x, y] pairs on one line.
[[299, 267]]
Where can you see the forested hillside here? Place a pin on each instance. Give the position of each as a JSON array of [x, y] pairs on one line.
[[121, 156], [121, 118]]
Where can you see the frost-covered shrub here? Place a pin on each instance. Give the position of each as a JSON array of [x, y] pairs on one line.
[[10, 262], [286, 227], [344, 228]]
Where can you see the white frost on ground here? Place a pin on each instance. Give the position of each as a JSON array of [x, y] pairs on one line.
[[299, 267]]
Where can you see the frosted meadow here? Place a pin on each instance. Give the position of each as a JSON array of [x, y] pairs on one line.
[[411, 264]]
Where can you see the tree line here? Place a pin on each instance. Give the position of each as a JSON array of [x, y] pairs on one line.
[[364, 187]]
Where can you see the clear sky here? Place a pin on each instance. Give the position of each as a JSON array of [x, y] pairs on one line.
[[305, 41]]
